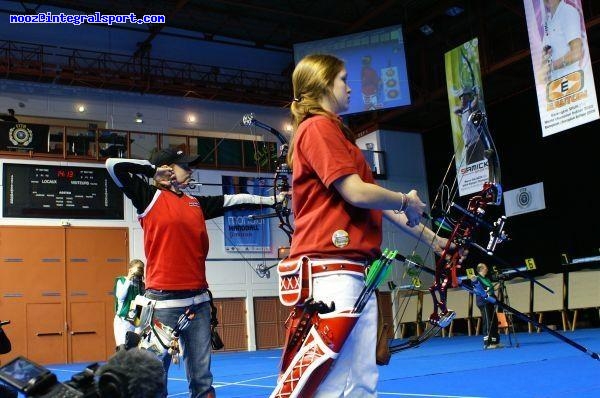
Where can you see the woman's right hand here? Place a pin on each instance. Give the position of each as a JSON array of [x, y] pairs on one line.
[[135, 273], [131, 273], [414, 209]]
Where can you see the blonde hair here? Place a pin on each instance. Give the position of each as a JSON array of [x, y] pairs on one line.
[[136, 263], [481, 266], [313, 80]]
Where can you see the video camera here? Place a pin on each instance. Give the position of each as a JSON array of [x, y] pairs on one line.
[[34, 380]]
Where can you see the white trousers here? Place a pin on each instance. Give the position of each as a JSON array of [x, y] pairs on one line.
[[354, 373], [120, 328]]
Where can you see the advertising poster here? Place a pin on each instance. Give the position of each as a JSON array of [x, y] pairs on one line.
[[465, 96], [561, 64], [244, 233]]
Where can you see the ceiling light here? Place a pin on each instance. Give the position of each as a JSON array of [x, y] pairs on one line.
[[288, 127], [191, 118], [426, 30], [138, 118], [81, 108], [454, 11]]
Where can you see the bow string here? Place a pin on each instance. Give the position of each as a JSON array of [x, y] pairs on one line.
[[281, 184]]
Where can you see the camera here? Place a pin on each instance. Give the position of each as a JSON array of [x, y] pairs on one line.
[[137, 276], [130, 372], [34, 380]]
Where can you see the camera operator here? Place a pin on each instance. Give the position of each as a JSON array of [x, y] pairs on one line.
[[132, 373], [125, 290]]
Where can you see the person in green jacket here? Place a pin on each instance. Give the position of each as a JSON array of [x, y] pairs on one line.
[[125, 290], [491, 337]]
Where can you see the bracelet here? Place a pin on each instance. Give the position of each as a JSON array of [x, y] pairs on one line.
[[404, 203]]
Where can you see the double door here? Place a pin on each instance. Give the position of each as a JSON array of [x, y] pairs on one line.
[[56, 289]]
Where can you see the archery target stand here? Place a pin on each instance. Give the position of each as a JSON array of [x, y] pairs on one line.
[[505, 319]]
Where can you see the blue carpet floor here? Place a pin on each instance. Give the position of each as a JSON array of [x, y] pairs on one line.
[[537, 365]]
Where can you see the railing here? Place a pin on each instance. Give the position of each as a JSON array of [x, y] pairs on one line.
[[28, 140], [37, 141], [72, 66]]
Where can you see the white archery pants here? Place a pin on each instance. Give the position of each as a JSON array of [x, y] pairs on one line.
[[120, 328], [354, 373]]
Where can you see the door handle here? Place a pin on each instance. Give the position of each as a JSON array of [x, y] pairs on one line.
[[49, 334], [84, 332]]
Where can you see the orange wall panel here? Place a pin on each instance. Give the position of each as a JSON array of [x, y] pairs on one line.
[[46, 334], [52, 278]]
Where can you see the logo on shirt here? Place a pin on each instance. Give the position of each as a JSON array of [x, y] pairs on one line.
[[340, 238]]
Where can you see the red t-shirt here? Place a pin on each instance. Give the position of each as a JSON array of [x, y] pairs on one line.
[[326, 226], [175, 242]]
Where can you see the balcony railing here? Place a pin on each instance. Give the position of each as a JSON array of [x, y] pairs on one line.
[[27, 140]]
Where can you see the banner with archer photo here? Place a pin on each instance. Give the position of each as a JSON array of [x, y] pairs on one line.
[[465, 96], [562, 66], [242, 231]]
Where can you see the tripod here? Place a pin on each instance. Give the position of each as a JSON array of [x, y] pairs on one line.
[[503, 297]]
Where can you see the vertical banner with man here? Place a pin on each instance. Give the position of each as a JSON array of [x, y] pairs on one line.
[[561, 64], [244, 233], [465, 96]]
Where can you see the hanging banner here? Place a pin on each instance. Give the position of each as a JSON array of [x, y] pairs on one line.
[[524, 200], [242, 233], [22, 137], [561, 64], [465, 96]]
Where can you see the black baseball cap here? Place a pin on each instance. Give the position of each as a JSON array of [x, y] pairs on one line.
[[170, 156]]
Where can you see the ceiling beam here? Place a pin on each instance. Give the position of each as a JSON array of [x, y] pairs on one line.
[[272, 10], [375, 12], [155, 30]]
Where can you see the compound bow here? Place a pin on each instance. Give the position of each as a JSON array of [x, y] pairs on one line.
[[281, 186], [465, 223]]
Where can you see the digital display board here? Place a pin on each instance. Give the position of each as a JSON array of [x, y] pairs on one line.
[[42, 191], [376, 66]]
